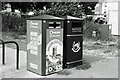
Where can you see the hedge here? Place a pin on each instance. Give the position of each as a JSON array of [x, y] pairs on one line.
[[13, 22], [89, 27]]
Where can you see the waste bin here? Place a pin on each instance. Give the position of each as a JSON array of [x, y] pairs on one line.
[[73, 41], [44, 44], [106, 31]]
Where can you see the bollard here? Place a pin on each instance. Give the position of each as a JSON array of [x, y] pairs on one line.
[[17, 53], [94, 34]]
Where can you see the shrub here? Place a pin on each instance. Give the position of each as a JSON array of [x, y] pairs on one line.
[[12, 22], [89, 27]]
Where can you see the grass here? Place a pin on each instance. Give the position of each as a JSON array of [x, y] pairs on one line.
[[107, 51], [93, 47], [97, 43], [14, 35], [113, 45], [64, 72]]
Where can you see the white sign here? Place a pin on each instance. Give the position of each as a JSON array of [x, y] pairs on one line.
[[33, 66]]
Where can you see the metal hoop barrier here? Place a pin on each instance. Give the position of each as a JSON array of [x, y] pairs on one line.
[[3, 53]]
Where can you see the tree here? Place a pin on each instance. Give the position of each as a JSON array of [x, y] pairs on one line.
[[26, 6], [76, 9], [55, 8], [65, 8], [88, 7]]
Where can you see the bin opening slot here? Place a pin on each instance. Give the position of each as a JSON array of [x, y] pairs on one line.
[[54, 25], [76, 24], [76, 27]]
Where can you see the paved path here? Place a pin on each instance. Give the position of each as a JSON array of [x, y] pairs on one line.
[[103, 68]]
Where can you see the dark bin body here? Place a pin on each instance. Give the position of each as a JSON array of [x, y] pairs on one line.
[[73, 41], [105, 32], [44, 44]]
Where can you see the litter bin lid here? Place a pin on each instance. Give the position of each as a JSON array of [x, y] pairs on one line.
[[71, 18], [49, 17]]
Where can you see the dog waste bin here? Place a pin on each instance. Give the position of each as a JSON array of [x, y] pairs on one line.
[[44, 44], [73, 41]]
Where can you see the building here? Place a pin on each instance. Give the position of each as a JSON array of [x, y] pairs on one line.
[[110, 9]]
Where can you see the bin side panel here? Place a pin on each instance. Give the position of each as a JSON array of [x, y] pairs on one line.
[[34, 35]]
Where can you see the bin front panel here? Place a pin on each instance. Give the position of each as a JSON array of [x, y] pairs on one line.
[[34, 34], [74, 48], [54, 49]]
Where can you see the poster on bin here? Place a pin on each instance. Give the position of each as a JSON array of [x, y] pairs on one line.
[[54, 50]]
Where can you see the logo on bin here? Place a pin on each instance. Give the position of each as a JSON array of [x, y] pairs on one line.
[[76, 46], [54, 33]]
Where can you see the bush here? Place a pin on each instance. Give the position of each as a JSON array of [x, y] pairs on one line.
[[89, 27], [13, 22]]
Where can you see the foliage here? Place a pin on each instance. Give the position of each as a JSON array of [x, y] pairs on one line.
[[88, 7], [100, 20], [12, 22], [77, 9], [65, 8], [26, 6], [68, 7], [89, 27]]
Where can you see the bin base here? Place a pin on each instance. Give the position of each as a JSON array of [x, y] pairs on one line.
[[72, 65]]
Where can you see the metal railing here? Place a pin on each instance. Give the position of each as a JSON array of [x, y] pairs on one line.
[[3, 52]]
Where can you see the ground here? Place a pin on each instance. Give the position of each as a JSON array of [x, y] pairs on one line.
[[100, 60]]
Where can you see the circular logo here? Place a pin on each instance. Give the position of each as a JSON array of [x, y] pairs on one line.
[[76, 46]]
